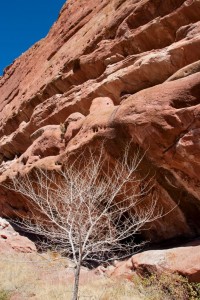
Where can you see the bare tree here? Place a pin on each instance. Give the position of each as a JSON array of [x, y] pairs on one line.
[[91, 210]]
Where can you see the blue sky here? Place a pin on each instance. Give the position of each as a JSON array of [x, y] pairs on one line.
[[22, 23]]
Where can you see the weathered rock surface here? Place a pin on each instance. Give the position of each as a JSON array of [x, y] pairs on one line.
[[119, 71], [11, 241], [183, 260]]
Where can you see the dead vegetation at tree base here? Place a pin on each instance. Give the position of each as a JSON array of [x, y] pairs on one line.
[[50, 277]]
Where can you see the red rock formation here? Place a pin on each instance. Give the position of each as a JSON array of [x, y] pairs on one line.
[[11, 241], [182, 260], [116, 70]]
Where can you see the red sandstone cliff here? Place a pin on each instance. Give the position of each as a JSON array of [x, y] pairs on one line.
[[114, 69]]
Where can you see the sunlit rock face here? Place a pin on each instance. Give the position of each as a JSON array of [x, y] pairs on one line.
[[117, 70], [12, 242]]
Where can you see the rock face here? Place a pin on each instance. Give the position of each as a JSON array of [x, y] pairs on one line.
[[11, 241], [117, 70]]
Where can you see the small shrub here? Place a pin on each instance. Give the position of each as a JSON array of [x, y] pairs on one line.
[[4, 295], [167, 287]]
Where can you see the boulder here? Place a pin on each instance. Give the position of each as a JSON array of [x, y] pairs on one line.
[[184, 260], [11, 241]]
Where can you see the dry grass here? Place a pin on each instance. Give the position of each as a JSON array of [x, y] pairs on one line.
[[106, 289], [50, 277], [45, 277], [34, 277]]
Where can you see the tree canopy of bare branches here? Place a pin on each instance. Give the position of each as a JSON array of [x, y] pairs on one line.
[[91, 210]]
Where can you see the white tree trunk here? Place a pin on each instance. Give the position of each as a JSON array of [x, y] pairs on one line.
[[76, 281]]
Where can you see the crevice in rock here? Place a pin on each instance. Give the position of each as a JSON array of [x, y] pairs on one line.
[[184, 103]]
